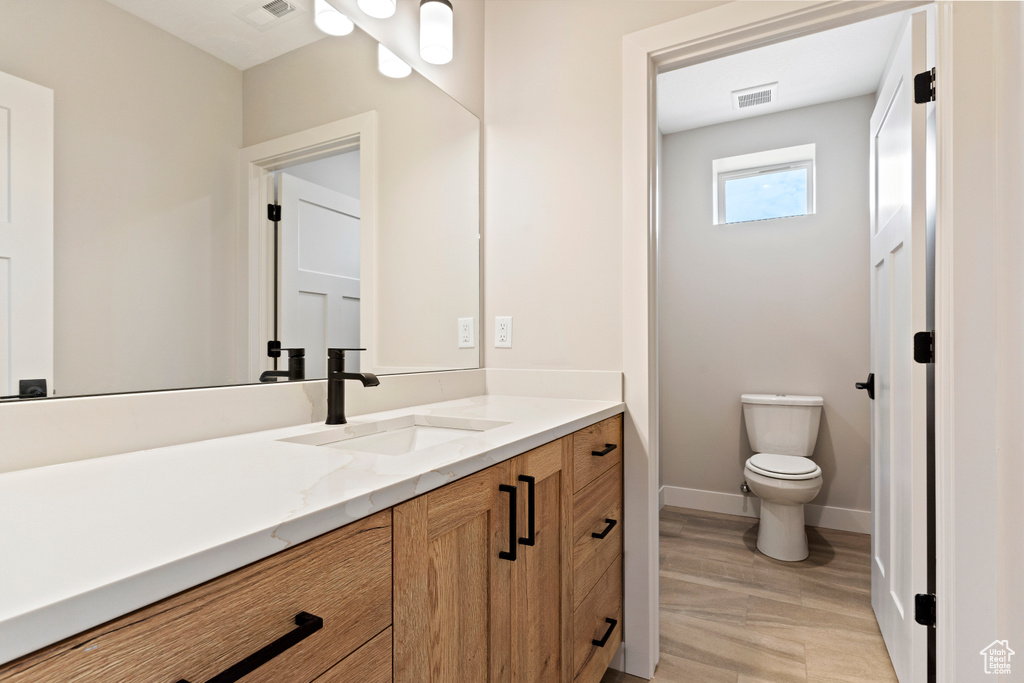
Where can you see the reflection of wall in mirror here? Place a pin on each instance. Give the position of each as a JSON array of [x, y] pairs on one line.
[[147, 132]]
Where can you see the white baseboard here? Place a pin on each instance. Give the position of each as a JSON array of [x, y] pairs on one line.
[[843, 519]]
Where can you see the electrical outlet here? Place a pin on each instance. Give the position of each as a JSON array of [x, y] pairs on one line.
[[466, 333], [503, 332]]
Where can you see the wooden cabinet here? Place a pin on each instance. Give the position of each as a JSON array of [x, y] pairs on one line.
[[542, 572], [342, 579], [482, 576], [597, 549], [509, 575], [451, 593]]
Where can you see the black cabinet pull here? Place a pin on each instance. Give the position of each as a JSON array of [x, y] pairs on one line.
[[608, 634], [611, 525], [307, 624], [510, 554], [531, 535], [608, 448]]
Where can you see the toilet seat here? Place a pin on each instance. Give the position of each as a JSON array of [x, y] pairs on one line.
[[776, 466]]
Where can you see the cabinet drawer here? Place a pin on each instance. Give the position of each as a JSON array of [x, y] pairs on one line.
[[593, 507], [590, 623], [343, 577], [369, 664], [604, 437]]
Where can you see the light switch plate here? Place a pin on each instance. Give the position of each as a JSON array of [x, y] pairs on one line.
[[466, 333], [503, 332]]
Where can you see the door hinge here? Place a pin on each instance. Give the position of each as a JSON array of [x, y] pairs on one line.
[[924, 347], [924, 87], [924, 609], [274, 212]]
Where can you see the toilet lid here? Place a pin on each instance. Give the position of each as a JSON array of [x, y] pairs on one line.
[[783, 466]]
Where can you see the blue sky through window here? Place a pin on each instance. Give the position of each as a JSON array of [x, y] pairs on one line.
[[770, 195]]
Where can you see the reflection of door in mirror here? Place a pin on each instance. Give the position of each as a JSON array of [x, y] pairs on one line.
[[26, 233], [318, 269]]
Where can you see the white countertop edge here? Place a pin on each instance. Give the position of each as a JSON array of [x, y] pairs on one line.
[[30, 631]]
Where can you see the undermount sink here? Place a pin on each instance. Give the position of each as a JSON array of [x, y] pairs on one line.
[[397, 436]]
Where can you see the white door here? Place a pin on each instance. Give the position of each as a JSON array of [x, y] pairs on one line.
[[319, 272], [898, 310], [26, 233]]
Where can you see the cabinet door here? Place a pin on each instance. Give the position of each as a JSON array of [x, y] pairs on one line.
[[541, 603], [451, 591]]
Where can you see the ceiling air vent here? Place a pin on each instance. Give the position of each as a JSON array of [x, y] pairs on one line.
[[752, 97], [264, 15]]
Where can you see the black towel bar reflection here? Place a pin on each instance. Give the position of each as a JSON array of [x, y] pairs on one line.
[[307, 624], [608, 634], [608, 448], [611, 525]]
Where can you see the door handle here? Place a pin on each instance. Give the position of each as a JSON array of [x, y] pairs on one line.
[[869, 385], [510, 554], [531, 533]]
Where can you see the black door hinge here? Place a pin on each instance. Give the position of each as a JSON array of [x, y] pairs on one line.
[[924, 347], [924, 609], [924, 87], [274, 212]]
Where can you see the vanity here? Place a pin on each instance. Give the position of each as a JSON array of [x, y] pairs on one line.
[[411, 552]]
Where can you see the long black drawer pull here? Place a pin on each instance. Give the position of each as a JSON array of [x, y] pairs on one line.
[[510, 554], [531, 535], [608, 448], [611, 525], [611, 627], [307, 624]]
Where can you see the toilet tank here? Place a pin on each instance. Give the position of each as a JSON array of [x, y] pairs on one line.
[[777, 423]]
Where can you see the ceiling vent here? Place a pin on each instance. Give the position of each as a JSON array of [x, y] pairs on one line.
[[758, 95], [264, 15]]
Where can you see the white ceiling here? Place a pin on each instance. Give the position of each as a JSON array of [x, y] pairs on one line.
[[822, 67], [213, 26]]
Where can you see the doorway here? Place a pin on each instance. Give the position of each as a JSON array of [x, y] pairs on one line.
[[646, 54]]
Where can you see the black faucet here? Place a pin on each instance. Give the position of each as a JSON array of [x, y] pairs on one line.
[[336, 377], [296, 367]]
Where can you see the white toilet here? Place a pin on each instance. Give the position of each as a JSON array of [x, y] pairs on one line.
[[783, 430]]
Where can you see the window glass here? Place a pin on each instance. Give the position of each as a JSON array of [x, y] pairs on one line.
[[766, 195]]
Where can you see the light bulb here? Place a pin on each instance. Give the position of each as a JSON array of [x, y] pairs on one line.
[[390, 65], [437, 21], [378, 9], [331, 21]]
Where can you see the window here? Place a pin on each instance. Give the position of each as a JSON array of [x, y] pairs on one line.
[[774, 184]]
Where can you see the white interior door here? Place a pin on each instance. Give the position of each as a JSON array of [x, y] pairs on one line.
[[898, 310], [26, 233], [319, 272]]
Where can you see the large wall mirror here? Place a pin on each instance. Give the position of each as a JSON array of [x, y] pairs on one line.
[[174, 127]]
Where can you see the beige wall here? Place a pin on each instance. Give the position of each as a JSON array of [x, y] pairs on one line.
[[142, 297], [779, 306], [428, 219], [553, 203]]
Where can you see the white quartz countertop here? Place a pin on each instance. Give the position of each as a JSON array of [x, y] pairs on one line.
[[84, 542]]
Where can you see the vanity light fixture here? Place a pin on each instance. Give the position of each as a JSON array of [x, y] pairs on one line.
[[390, 65], [330, 20], [437, 22], [378, 9]]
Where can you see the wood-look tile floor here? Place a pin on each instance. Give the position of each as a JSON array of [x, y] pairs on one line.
[[732, 615]]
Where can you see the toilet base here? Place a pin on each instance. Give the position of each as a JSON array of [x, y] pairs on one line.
[[781, 534]]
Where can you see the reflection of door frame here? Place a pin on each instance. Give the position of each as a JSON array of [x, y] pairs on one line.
[[258, 163], [732, 28]]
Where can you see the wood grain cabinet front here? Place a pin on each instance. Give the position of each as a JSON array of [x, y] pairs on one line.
[[306, 608], [596, 449], [482, 576]]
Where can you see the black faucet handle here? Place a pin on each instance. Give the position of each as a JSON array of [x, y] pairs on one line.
[[339, 352], [298, 352]]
